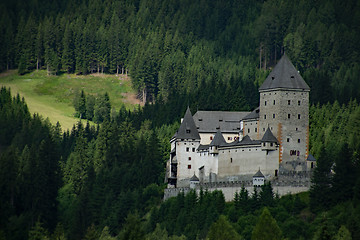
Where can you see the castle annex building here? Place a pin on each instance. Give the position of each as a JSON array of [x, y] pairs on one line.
[[271, 141]]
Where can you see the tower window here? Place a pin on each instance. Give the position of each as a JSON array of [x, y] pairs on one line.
[[255, 129], [299, 140], [265, 116], [210, 137], [289, 116], [288, 139], [274, 102], [299, 102], [189, 158], [231, 160], [299, 116], [248, 130], [289, 102], [187, 149], [265, 103], [193, 149], [274, 115], [189, 166]]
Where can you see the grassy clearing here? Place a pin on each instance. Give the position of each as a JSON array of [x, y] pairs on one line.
[[52, 96]]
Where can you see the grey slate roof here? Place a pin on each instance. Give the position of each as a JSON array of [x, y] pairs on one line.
[[211, 121], [203, 147], [218, 139], [194, 178], [311, 158], [187, 129], [246, 140], [253, 115], [284, 75], [259, 174], [269, 137]]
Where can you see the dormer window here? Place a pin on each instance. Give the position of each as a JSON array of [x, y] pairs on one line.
[[187, 130], [292, 77]]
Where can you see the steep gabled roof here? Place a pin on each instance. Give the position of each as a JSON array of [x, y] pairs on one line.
[[187, 129], [284, 76], [218, 139], [253, 115], [269, 137], [259, 174]]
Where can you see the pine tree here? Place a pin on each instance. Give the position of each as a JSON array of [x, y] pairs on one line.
[[266, 227]]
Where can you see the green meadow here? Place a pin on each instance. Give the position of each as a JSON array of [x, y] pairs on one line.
[[52, 96]]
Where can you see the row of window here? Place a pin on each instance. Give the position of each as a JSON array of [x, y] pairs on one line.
[[289, 116], [188, 149], [289, 102], [288, 140]]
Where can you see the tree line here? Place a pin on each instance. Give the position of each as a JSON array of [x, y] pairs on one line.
[[103, 181], [173, 46]]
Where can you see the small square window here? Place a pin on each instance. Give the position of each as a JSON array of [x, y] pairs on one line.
[[193, 149], [189, 166], [211, 137], [288, 139], [299, 140], [189, 158]]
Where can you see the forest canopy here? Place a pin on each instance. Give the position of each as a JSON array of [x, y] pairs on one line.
[[184, 46]]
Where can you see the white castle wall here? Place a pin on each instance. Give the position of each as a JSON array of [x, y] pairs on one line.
[[247, 161]]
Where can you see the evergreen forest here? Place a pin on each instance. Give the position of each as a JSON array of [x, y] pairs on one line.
[[106, 181]]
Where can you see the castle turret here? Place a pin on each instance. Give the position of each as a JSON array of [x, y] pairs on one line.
[[183, 156], [284, 108], [269, 141], [216, 142]]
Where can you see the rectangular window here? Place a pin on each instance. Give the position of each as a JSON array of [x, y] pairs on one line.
[[248, 130], [289, 116], [299, 116], [189, 158], [274, 115], [289, 102], [288, 139], [187, 149], [255, 129], [274, 102], [299, 140], [271, 144], [193, 149], [265, 116], [189, 166], [231, 160], [210, 137], [265, 103], [299, 102]]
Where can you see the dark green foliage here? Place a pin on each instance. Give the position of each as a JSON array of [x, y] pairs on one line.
[[266, 227]]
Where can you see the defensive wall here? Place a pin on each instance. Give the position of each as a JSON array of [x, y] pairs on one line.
[[281, 186]]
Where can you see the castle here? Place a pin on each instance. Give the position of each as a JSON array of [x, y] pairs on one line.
[[272, 140]]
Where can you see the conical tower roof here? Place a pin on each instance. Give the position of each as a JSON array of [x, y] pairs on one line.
[[284, 76], [269, 137], [259, 174], [187, 129], [218, 139]]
